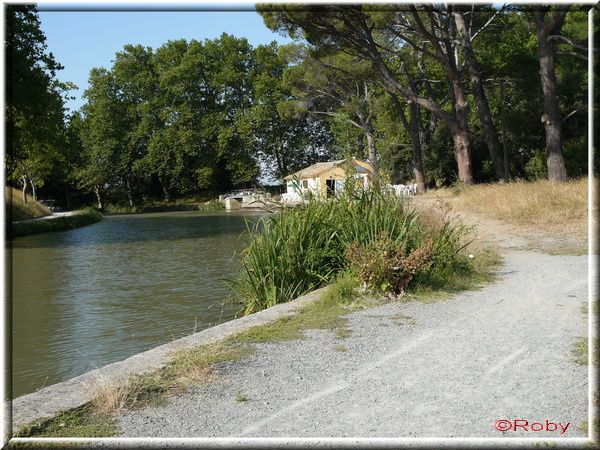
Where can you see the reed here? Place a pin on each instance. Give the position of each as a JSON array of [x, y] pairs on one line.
[[301, 249]]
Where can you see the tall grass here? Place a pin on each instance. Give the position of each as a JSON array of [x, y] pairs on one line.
[[303, 248], [542, 202]]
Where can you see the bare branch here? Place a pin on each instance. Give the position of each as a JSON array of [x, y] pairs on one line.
[[576, 55], [568, 41], [490, 20], [570, 114]]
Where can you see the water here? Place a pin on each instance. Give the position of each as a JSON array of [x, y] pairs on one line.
[[91, 296]]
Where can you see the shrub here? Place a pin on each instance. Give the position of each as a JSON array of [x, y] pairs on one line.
[[384, 267], [298, 250]]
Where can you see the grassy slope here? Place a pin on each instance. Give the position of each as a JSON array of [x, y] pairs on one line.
[[20, 210], [556, 210]]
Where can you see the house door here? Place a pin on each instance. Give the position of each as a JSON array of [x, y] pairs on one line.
[[330, 188]]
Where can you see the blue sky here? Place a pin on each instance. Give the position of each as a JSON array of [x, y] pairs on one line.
[[85, 39]]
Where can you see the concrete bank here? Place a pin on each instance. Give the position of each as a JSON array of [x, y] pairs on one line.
[[48, 402]]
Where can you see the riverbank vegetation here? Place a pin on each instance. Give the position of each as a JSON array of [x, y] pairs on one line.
[[460, 105], [206, 206], [386, 244], [16, 209], [78, 219]]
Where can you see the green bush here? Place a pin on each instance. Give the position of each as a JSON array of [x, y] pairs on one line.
[[536, 167], [211, 206], [301, 249]]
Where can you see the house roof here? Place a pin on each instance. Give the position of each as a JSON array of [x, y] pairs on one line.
[[314, 170]]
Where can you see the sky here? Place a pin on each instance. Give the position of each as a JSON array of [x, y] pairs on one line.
[[85, 39]]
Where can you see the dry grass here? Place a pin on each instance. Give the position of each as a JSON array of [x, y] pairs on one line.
[[559, 210], [23, 211], [537, 203]]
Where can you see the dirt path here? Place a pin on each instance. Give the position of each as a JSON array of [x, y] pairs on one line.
[[445, 369]]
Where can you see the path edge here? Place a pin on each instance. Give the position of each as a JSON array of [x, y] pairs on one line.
[[48, 402]]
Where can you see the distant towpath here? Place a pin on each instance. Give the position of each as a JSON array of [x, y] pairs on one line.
[[52, 216]]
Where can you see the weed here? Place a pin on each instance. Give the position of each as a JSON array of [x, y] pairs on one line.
[[326, 313], [211, 206], [239, 397], [581, 351], [80, 422]]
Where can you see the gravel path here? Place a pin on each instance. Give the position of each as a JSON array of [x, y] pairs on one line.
[[445, 369], [52, 216]]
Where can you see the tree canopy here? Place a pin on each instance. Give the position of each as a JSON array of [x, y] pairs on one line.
[[432, 94]]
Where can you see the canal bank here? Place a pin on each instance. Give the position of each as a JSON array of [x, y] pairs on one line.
[[74, 393], [399, 369], [55, 222], [117, 288]]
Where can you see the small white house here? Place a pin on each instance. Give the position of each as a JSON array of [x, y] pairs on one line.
[[326, 179]]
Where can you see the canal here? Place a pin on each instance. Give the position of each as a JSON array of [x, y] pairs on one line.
[[88, 297]]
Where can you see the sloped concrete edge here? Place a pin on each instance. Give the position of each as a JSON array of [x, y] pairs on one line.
[[76, 392]]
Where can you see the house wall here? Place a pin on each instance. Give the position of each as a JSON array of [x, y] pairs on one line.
[[338, 173]]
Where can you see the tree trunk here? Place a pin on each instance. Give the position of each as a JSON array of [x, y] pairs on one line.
[[33, 191], [460, 134], [462, 152], [457, 124], [98, 196], [372, 148], [164, 189], [129, 192], [413, 127], [481, 101], [551, 117], [24, 180], [415, 137]]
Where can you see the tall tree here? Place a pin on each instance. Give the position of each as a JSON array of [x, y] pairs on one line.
[[548, 25], [337, 85], [375, 35], [104, 135], [283, 140], [467, 35]]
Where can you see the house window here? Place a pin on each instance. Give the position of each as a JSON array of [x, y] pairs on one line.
[[305, 184]]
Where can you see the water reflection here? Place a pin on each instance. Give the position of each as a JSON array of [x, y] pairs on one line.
[[91, 296]]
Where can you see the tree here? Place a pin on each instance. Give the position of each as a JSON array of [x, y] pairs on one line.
[[337, 85], [283, 140], [369, 33], [548, 25], [483, 109], [103, 134], [34, 109]]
